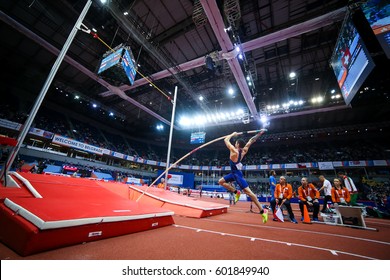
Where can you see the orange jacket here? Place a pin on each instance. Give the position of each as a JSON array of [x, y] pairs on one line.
[[310, 190], [343, 192], [161, 185], [285, 190]]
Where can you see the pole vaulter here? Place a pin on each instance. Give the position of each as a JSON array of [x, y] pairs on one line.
[[261, 131]]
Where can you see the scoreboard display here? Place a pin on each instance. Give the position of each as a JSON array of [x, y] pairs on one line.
[[351, 61], [110, 60], [377, 13], [197, 137], [128, 66], [118, 66]]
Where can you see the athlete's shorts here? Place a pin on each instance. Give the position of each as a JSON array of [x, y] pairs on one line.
[[238, 177]]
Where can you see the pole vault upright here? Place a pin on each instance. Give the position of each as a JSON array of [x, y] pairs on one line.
[[170, 136], [42, 94]]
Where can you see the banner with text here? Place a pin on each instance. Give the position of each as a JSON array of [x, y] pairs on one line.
[[68, 142], [10, 124], [326, 165]]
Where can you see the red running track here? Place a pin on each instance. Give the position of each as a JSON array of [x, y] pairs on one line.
[[235, 235]]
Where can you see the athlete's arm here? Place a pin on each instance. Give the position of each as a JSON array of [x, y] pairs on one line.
[[227, 141], [252, 140]]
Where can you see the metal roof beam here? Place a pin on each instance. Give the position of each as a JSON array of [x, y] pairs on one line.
[[263, 41], [153, 50], [115, 90], [295, 30], [216, 21]]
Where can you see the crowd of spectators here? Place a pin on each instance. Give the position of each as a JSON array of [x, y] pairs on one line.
[[87, 134], [365, 148], [118, 143], [8, 112], [261, 154], [317, 152], [54, 123]]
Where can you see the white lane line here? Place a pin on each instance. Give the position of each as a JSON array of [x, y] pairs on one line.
[[370, 220], [276, 241], [300, 230], [334, 252]]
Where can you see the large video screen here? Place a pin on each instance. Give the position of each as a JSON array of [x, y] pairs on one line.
[[377, 13], [123, 56], [351, 62], [197, 137], [129, 67], [110, 60]]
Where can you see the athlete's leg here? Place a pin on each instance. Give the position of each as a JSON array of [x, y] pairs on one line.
[[264, 213], [253, 197], [225, 182]]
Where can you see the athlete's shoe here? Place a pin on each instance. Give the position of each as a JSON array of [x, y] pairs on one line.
[[265, 216], [237, 196]]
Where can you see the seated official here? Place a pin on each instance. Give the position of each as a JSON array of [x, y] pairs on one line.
[[308, 195], [161, 185], [282, 195], [340, 194]]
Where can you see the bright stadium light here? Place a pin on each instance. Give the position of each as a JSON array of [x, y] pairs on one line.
[[185, 121], [318, 99], [159, 127]]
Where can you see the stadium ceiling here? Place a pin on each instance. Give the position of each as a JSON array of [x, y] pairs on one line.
[[196, 46]]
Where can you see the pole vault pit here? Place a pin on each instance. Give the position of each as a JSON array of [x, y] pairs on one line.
[[118, 66]]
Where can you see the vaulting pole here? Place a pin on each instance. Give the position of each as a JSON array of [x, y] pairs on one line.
[[170, 137], [193, 151]]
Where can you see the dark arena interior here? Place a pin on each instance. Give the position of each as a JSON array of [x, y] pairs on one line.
[[98, 96]]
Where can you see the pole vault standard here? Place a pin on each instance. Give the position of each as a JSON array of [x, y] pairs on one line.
[[42, 94], [193, 151], [170, 137]]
